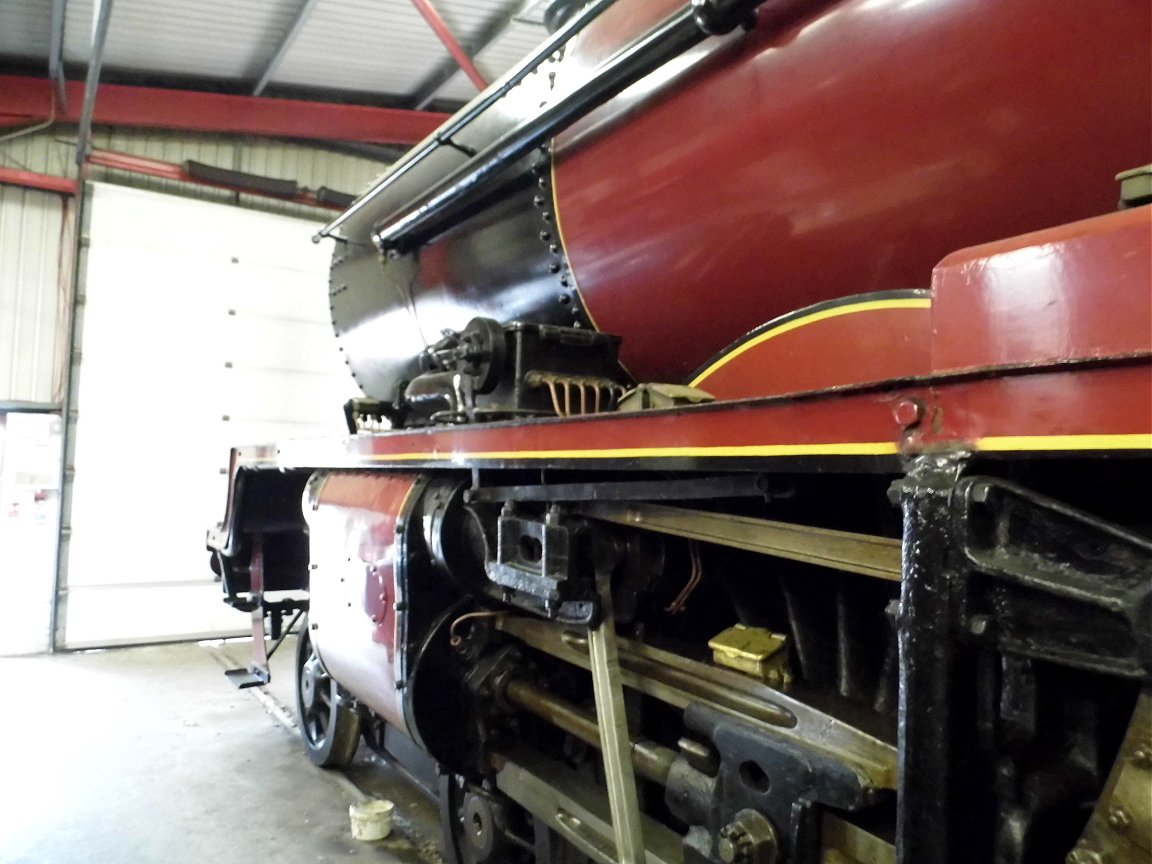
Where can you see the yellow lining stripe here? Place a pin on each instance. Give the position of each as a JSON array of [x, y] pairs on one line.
[[1139, 441], [863, 448], [850, 448], [834, 312]]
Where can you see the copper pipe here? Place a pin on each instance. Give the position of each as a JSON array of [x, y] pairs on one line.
[[555, 399]]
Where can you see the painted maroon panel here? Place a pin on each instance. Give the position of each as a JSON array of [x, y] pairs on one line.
[[861, 424], [353, 523], [1082, 290], [1093, 405], [860, 343], [1087, 403], [843, 154]]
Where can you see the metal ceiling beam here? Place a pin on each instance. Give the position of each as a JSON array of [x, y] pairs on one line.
[[32, 180], [202, 175], [101, 17], [428, 11], [56, 49], [30, 99], [302, 15], [438, 77]]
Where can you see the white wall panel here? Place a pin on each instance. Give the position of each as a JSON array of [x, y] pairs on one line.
[[31, 308], [205, 326]]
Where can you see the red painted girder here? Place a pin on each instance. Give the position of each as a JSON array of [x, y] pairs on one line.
[[32, 180], [428, 11], [117, 105]]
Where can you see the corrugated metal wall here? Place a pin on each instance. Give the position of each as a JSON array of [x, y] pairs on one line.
[[33, 314], [52, 152], [32, 301]]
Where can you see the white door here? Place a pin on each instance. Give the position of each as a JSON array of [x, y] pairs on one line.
[[204, 326], [29, 498]]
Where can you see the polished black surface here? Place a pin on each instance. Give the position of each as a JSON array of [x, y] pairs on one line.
[[503, 263]]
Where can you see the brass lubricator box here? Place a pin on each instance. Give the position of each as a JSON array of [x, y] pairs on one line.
[[754, 651]]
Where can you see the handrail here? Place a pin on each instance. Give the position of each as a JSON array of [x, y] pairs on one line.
[[466, 115], [439, 207]]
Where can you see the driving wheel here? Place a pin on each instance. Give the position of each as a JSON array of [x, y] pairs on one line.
[[329, 726]]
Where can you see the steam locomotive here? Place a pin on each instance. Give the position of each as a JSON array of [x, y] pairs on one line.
[[754, 457]]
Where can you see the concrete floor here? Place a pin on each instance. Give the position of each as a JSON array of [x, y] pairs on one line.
[[150, 755]]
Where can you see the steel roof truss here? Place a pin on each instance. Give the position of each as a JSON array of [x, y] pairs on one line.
[[298, 22]]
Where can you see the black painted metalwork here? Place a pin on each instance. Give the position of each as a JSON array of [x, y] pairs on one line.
[[784, 782], [1020, 618], [472, 111], [445, 202], [1053, 583], [536, 566], [733, 486], [936, 678]]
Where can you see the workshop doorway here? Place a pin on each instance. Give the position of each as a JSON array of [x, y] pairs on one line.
[[29, 515]]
